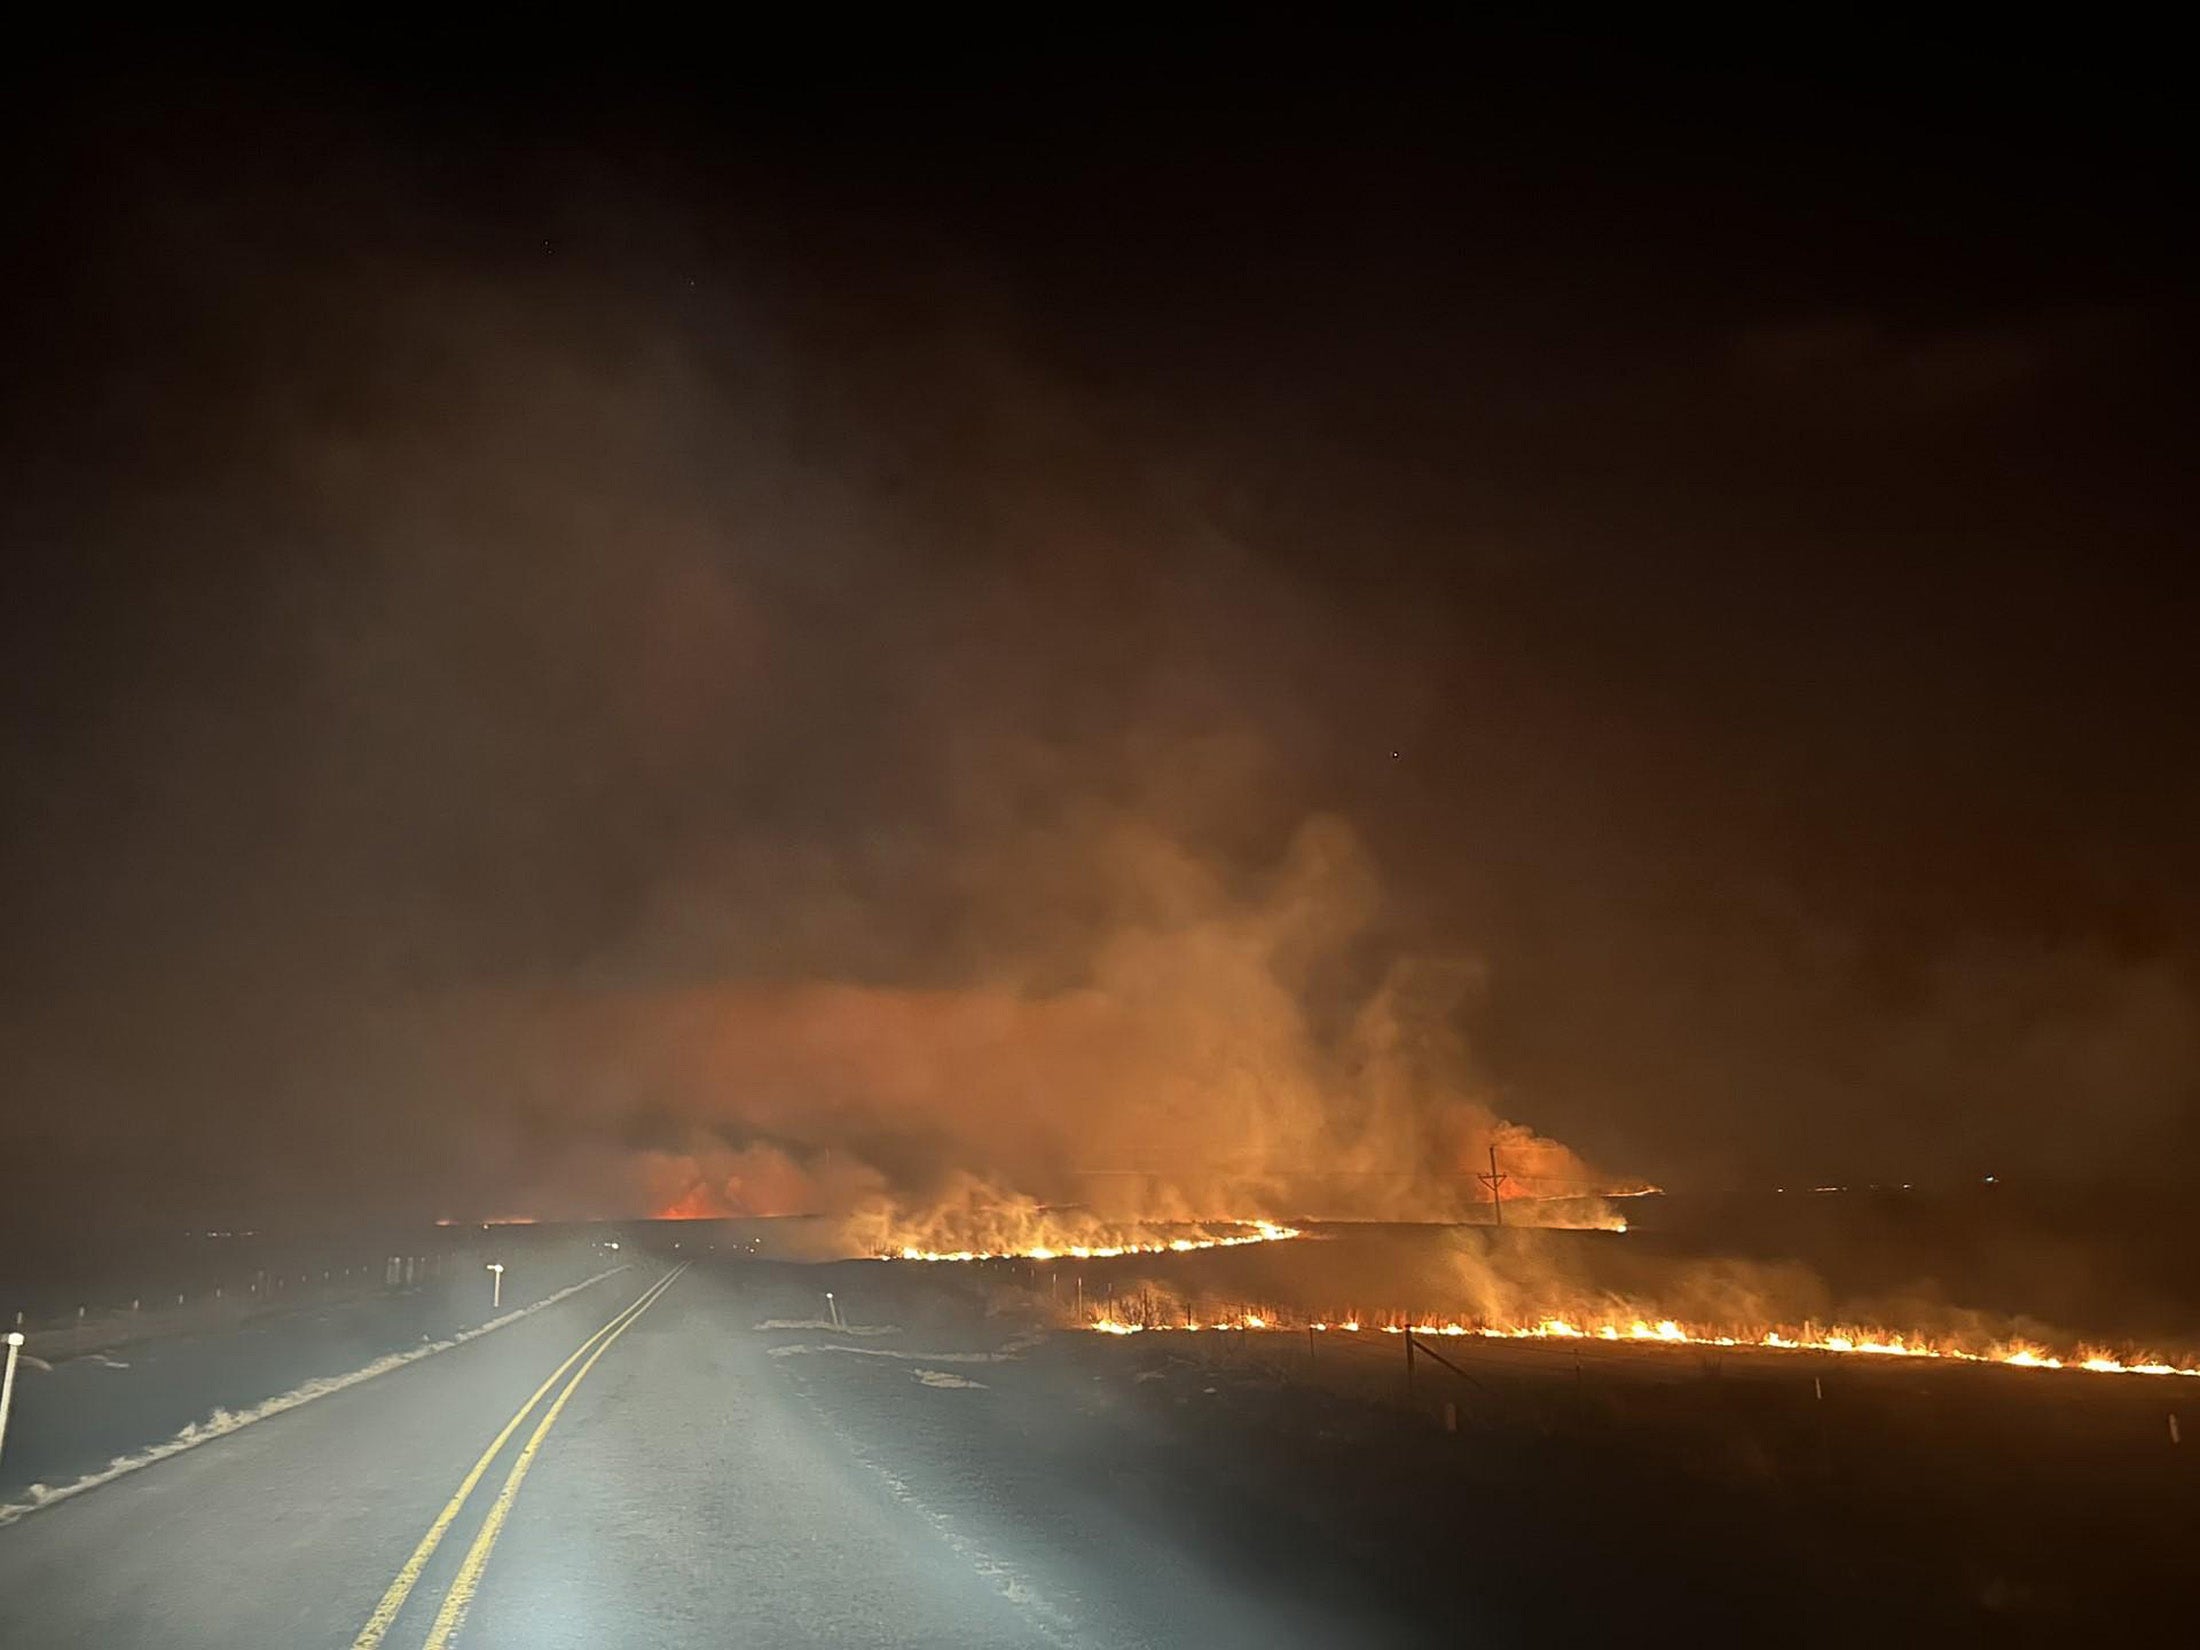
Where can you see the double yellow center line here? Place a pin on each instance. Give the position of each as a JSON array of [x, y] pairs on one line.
[[455, 1603]]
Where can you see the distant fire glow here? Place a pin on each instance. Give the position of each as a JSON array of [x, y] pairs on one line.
[[695, 1204], [1149, 1316]]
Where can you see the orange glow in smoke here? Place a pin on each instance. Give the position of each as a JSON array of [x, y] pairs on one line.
[[696, 1203]]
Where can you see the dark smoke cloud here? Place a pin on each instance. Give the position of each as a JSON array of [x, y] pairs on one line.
[[555, 678]]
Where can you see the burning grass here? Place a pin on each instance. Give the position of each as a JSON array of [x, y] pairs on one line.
[[1151, 1312], [1088, 1240], [1581, 1286]]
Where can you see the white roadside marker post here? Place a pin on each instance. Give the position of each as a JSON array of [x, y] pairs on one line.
[[7, 1383], [496, 1288]]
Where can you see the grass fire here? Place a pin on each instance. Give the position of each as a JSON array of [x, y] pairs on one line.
[[1078, 1243], [1153, 1314]]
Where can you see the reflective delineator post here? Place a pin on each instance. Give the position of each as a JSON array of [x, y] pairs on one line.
[[7, 1384], [496, 1289]]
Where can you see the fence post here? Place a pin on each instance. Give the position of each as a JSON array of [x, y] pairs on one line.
[[7, 1383]]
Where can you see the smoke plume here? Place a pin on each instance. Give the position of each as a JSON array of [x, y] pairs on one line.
[[1173, 1073]]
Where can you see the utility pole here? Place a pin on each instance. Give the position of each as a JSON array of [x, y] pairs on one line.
[[1493, 1180]]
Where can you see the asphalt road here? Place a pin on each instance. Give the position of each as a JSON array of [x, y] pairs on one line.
[[688, 1488]]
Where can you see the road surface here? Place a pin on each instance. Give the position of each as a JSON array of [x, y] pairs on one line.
[[640, 1464]]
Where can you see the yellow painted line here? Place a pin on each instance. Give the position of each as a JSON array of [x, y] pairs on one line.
[[385, 1613], [452, 1616]]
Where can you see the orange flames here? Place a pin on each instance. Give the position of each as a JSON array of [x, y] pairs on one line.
[[697, 1203], [1223, 1235], [1152, 1316]]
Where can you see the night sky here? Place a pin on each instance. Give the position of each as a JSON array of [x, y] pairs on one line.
[[582, 633]]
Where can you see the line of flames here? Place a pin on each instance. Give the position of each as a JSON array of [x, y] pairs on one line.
[[1256, 1231], [1666, 1332]]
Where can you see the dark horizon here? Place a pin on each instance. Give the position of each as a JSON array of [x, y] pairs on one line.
[[583, 634]]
